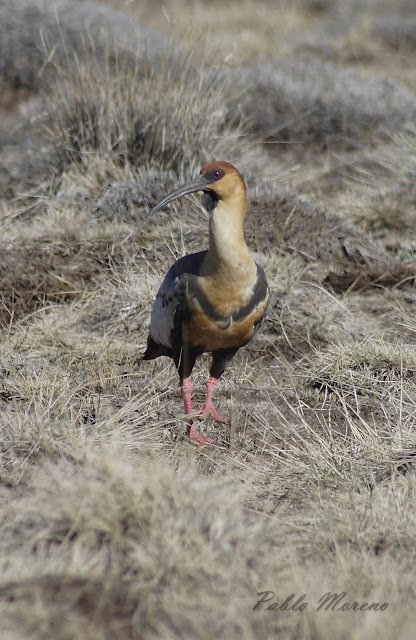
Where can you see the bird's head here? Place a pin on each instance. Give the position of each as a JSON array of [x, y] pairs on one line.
[[217, 180]]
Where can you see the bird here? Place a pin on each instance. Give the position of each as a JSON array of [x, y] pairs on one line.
[[212, 301]]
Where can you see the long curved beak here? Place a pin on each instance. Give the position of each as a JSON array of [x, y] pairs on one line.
[[197, 184]]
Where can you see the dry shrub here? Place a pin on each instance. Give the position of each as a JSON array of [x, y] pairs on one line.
[[366, 366], [313, 105], [124, 547], [39, 42], [36, 36], [167, 118], [397, 31], [156, 536]]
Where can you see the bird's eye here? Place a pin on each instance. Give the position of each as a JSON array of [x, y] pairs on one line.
[[217, 173]]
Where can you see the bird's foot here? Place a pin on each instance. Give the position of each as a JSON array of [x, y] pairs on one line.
[[196, 438], [208, 409]]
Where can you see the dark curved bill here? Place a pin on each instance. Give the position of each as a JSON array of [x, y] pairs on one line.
[[197, 184]]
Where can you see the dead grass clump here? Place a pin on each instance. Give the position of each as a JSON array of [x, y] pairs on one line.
[[39, 42], [367, 366], [32, 277], [382, 517], [121, 544], [120, 200], [59, 255], [244, 31], [303, 315], [142, 117], [69, 390], [36, 36], [397, 31], [312, 445], [349, 256], [26, 157], [386, 206], [127, 545], [390, 215], [315, 105]]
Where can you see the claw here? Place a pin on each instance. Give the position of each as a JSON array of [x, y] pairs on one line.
[[208, 409], [208, 406], [196, 438]]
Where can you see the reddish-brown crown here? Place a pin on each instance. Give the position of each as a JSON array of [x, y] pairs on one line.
[[227, 167], [224, 179]]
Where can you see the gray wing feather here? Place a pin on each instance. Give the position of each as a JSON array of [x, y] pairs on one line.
[[170, 298]]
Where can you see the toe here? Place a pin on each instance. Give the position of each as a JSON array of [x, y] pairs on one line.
[[210, 410], [196, 438]]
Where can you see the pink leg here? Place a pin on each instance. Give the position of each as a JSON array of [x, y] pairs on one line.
[[208, 406], [194, 436], [186, 391]]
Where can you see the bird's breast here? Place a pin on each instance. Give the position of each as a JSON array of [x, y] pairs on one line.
[[210, 335], [224, 317]]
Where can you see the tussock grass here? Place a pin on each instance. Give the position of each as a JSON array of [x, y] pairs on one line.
[[352, 259], [372, 361], [111, 524], [110, 112], [390, 202], [397, 32], [310, 104], [39, 35], [242, 30]]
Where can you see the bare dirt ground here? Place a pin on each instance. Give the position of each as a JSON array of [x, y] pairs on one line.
[[111, 524]]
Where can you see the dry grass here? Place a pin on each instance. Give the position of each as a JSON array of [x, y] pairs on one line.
[[111, 524], [110, 113]]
